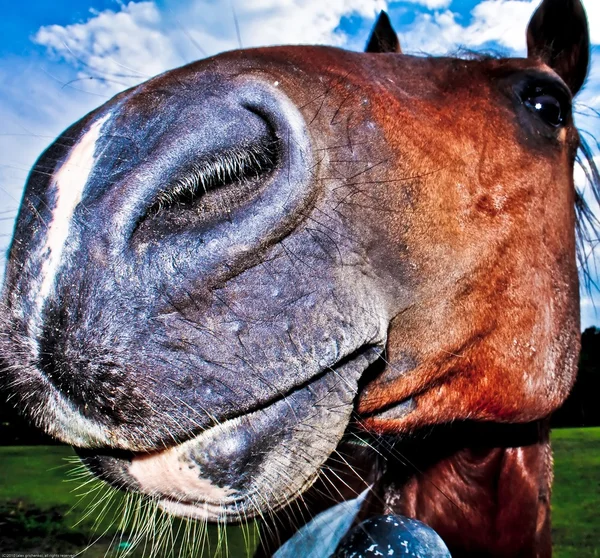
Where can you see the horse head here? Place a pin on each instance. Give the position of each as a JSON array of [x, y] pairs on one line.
[[222, 273]]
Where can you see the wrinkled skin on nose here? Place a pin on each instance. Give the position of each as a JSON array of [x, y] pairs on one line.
[[205, 269]]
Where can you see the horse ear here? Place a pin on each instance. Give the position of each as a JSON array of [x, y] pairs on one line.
[[558, 35], [383, 37]]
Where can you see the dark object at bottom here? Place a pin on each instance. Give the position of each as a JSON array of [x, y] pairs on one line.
[[392, 535]]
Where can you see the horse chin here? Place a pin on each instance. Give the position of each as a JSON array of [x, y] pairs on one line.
[[248, 465]]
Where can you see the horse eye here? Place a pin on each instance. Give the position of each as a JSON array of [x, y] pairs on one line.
[[546, 106]]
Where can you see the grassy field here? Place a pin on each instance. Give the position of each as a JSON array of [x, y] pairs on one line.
[[50, 505], [576, 492], [44, 501]]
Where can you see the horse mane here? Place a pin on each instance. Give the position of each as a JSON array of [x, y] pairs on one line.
[[587, 223]]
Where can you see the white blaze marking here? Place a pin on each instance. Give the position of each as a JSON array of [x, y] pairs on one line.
[[69, 181]]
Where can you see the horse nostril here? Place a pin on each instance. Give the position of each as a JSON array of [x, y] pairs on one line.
[[229, 176], [214, 173], [239, 169]]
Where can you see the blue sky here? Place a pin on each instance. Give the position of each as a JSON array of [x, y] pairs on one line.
[[60, 59]]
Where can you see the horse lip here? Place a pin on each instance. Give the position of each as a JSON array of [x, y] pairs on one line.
[[372, 352], [397, 410], [178, 478], [193, 510]]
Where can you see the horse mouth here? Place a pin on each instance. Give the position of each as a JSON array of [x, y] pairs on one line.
[[249, 464]]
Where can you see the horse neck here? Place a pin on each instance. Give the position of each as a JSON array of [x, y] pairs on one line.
[[479, 486]]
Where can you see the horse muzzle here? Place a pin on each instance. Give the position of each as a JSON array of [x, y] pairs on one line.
[[250, 464]]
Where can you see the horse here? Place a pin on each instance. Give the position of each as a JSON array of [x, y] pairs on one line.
[[270, 278]]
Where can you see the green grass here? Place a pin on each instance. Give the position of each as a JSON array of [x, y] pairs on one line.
[[43, 512], [46, 506], [36, 475], [576, 492]]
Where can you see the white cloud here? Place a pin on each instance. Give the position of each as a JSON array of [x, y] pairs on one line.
[[503, 22], [432, 34], [140, 41], [587, 105], [592, 8], [431, 4], [590, 311], [115, 45]]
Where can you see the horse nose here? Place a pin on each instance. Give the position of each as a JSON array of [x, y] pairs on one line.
[[171, 185], [177, 202]]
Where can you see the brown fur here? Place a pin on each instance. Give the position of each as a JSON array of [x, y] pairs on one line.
[[492, 330], [432, 179]]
